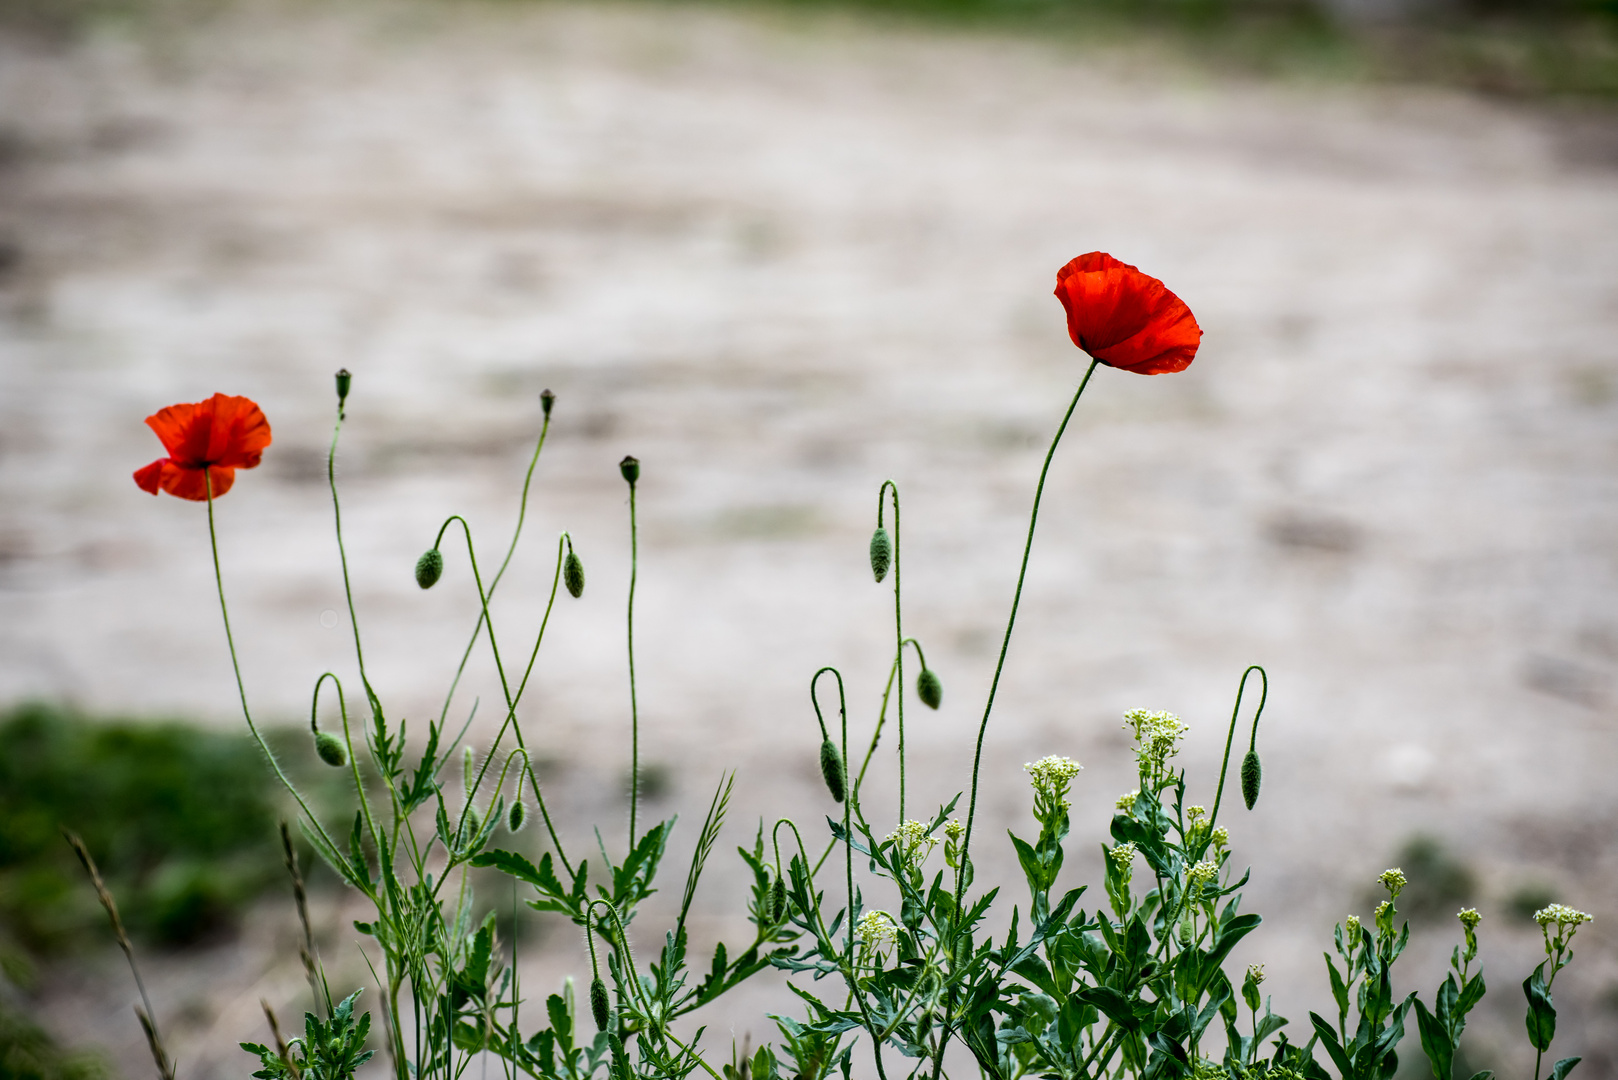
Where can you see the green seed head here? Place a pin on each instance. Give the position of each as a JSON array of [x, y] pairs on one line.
[[778, 900], [599, 1007], [831, 767], [1252, 776], [881, 553], [573, 575], [517, 816], [546, 400], [929, 689], [429, 568], [631, 470], [331, 749], [344, 381]]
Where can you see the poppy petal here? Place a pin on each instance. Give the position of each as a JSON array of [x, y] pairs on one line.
[[1124, 318], [148, 478], [176, 426], [238, 433], [189, 483]]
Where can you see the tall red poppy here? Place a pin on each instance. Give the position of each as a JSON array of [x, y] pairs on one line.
[[207, 441], [1124, 318]]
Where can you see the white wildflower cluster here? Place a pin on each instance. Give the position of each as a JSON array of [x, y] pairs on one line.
[[1561, 915], [1202, 873], [913, 843], [953, 832], [1351, 929], [1157, 738], [1126, 803], [1122, 856], [1383, 910], [1469, 918], [1393, 880], [1255, 973], [1221, 837], [1052, 773], [876, 929], [1195, 812]]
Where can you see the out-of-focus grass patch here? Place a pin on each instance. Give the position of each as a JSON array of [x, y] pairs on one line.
[[181, 821], [1440, 883], [27, 1052]]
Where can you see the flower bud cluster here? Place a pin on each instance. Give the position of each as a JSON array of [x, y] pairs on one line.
[[1157, 738], [1126, 803], [1561, 915], [912, 844], [953, 832], [1202, 874], [876, 930], [1050, 777], [1394, 881]]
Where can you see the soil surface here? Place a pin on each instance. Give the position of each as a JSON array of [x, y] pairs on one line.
[[780, 259]]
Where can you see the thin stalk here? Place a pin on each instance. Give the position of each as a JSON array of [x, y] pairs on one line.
[[1231, 735], [898, 627], [1011, 622], [241, 687], [634, 707]]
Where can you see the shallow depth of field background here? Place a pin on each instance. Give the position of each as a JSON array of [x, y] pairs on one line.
[[781, 255]]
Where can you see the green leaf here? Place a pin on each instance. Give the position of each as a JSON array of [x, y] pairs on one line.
[[1541, 1019], [1563, 1067], [1435, 1042], [1328, 1037]]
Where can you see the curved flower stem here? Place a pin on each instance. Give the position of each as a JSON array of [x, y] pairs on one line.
[[353, 761], [505, 687], [898, 628], [241, 687], [634, 707], [522, 513], [1252, 742], [342, 556], [1016, 599]]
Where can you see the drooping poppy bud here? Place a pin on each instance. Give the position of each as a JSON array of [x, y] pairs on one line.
[[517, 816], [630, 467], [881, 554], [778, 900], [599, 1006], [929, 689], [573, 575], [344, 381], [831, 767], [1252, 776], [546, 400], [331, 749], [429, 568]]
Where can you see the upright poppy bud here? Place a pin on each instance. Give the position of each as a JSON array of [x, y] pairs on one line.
[[546, 400], [929, 689], [599, 1006], [344, 381], [429, 568], [831, 767], [331, 749], [1252, 776], [573, 575], [630, 468], [881, 553]]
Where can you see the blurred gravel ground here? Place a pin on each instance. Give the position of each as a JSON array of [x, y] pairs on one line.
[[780, 258]]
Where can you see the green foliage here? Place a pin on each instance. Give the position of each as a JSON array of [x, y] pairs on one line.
[[27, 1052], [180, 820], [330, 1049]]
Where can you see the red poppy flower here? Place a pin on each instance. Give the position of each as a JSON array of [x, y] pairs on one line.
[[1124, 318], [207, 442]]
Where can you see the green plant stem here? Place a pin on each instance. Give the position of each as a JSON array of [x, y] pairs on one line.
[[1231, 734], [342, 556], [898, 628], [241, 687], [353, 759], [634, 707], [522, 513], [1011, 622]]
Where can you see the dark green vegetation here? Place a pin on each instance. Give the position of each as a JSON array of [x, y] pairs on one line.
[[28, 1053], [180, 820]]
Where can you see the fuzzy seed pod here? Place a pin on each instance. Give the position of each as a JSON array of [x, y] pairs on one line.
[[573, 575], [429, 568], [929, 689], [344, 381], [631, 470], [778, 900], [1185, 930], [831, 767], [546, 400], [599, 1007], [331, 749], [517, 816], [1252, 776], [881, 553]]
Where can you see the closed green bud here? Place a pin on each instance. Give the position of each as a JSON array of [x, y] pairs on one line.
[[778, 900], [831, 767], [573, 575], [474, 820], [331, 749], [517, 816], [344, 381], [929, 689], [546, 400], [1252, 776], [881, 553], [630, 468], [599, 1007], [429, 568]]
